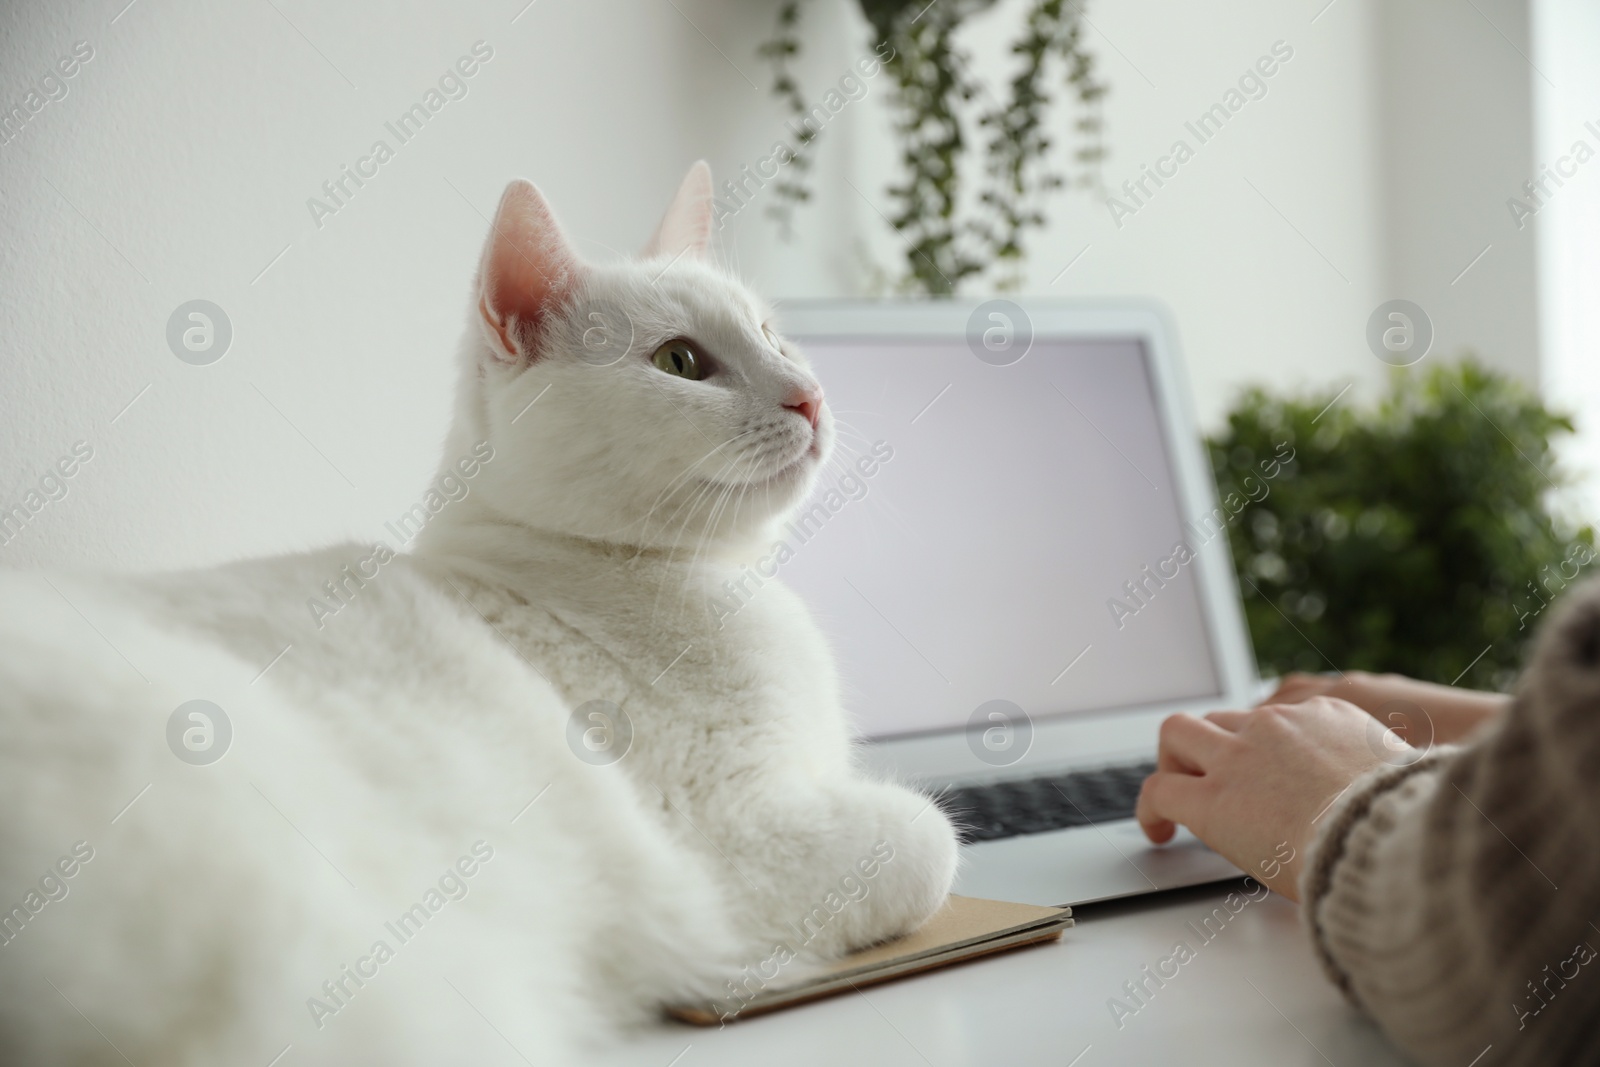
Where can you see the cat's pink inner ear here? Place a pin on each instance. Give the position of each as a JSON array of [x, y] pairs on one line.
[[686, 227], [528, 268]]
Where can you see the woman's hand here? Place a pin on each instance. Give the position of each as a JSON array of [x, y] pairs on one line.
[[1423, 713], [1253, 784]]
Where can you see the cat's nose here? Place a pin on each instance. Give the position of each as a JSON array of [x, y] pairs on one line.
[[807, 403]]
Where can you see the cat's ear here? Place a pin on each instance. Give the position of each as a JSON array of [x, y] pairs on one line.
[[686, 227], [528, 269]]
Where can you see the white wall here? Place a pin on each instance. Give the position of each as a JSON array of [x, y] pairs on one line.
[[1567, 49], [1266, 245], [190, 144], [1455, 122], [180, 163]]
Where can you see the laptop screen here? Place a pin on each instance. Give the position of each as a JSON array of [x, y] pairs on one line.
[[998, 532]]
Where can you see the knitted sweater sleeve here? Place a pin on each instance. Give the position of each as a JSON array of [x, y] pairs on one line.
[[1456, 899]]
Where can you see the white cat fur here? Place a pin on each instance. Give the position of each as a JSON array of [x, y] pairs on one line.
[[415, 725]]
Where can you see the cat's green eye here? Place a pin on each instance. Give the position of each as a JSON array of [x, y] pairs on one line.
[[679, 358]]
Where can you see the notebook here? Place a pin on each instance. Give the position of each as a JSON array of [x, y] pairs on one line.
[[964, 929]]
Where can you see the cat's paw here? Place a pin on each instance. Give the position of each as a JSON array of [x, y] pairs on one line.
[[908, 861], [924, 862]]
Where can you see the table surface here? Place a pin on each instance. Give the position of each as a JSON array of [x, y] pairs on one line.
[[1252, 993]]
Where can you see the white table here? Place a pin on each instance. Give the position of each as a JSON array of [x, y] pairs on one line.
[[1251, 995]]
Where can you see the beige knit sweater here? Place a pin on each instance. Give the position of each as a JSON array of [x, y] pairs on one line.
[[1457, 899]]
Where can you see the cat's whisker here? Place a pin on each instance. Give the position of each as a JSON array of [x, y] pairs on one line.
[[843, 427], [680, 479], [693, 504], [707, 532], [852, 411], [838, 465], [729, 490], [708, 484], [696, 500], [850, 435], [735, 490]]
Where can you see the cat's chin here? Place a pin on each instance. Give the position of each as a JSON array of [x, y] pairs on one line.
[[793, 477]]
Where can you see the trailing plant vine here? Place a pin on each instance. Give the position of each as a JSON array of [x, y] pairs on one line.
[[780, 51], [951, 237]]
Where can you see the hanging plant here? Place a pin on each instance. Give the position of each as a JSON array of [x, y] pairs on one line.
[[949, 241]]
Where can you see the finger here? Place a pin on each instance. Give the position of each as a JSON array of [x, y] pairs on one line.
[[1278, 693], [1231, 721], [1167, 800], [1295, 688], [1411, 721], [1167, 760], [1282, 695], [1190, 744]]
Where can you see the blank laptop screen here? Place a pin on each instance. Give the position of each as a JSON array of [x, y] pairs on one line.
[[983, 533]]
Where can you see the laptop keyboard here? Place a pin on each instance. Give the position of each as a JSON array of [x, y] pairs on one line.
[[1054, 802]]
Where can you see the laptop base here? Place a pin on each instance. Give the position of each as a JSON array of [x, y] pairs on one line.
[[1086, 864]]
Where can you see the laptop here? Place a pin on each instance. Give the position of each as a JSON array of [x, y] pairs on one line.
[[1020, 559]]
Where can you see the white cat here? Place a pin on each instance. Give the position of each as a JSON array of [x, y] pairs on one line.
[[482, 802]]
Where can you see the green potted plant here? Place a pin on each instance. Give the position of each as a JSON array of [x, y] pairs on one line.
[[1417, 536]]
